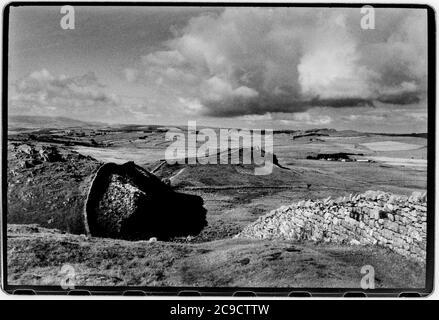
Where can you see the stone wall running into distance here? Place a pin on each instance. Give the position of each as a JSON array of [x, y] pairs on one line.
[[373, 218]]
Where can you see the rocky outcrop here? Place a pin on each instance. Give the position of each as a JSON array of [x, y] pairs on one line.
[[47, 185], [55, 187], [31, 155], [373, 218]]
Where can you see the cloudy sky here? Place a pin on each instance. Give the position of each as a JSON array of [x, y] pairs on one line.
[[290, 68]]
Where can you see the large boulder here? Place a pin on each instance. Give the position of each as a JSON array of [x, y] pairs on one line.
[[128, 202]]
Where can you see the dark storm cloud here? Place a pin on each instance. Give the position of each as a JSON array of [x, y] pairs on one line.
[[401, 98], [258, 60], [238, 106]]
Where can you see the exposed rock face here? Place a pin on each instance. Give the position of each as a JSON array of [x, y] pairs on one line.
[[128, 202], [118, 204], [47, 185], [375, 217], [34, 155], [49, 154]]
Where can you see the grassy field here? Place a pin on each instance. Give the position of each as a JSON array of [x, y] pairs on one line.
[[52, 195], [36, 256]]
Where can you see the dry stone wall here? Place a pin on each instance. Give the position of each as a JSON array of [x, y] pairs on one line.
[[372, 218]]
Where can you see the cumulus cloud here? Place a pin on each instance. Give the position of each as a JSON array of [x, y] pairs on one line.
[[83, 96], [407, 117], [246, 61], [307, 118]]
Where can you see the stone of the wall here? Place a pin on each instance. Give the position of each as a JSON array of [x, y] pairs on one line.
[[372, 218]]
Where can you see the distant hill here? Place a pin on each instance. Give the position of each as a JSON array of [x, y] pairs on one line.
[[344, 133], [17, 122], [27, 122], [414, 135]]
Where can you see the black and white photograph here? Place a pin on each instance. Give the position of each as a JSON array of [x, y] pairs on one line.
[[217, 148]]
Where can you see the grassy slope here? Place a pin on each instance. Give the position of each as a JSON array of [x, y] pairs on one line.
[[231, 209], [36, 256], [20, 121]]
